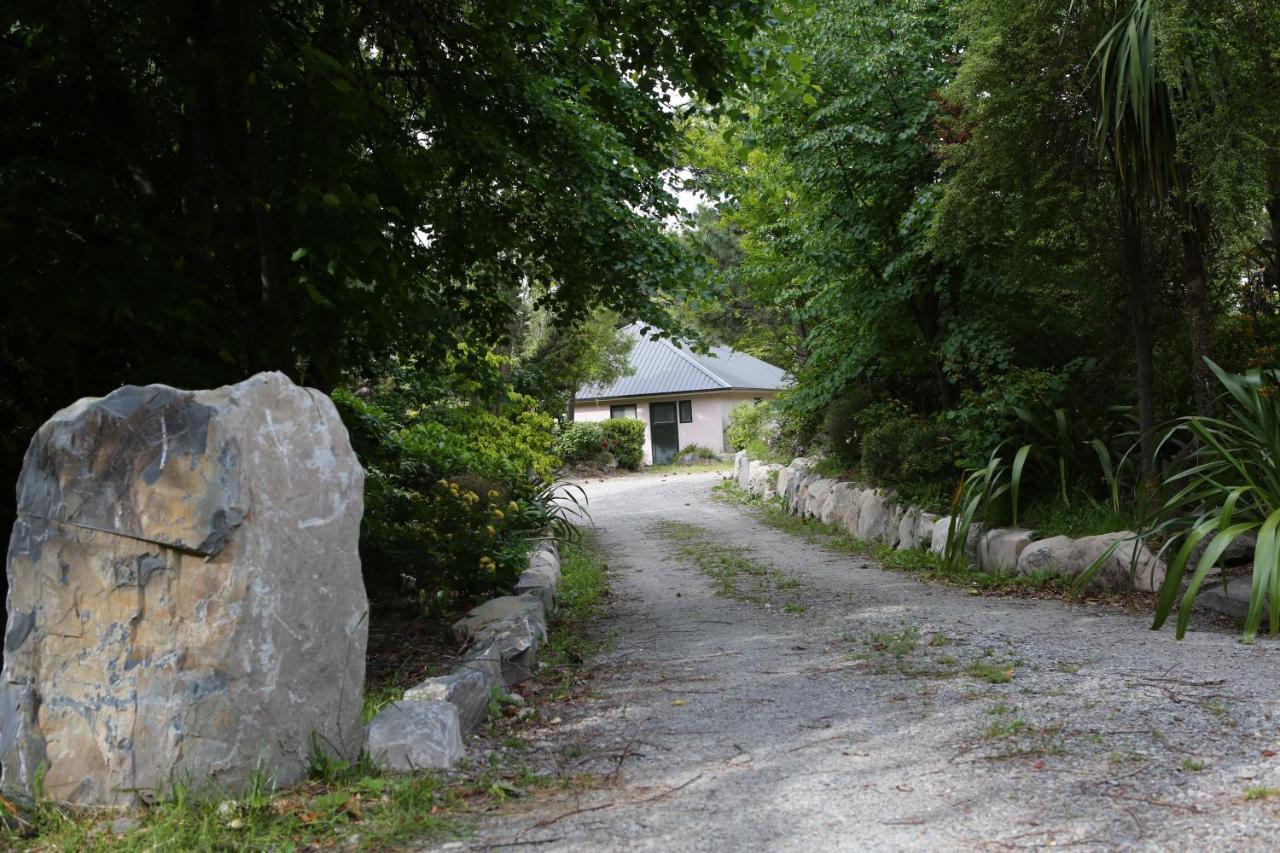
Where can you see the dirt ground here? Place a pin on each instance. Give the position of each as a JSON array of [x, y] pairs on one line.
[[834, 705]]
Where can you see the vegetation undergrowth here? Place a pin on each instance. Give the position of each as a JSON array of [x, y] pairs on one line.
[[735, 574]]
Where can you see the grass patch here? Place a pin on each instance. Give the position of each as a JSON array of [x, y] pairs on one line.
[[342, 804], [992, 672], [733, 574], [1193, 765], [1261, 792]]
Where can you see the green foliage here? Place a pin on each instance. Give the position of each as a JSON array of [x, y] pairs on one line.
[[1229, 487], [696, 451], [751, 423], [909, 453], [308, 187], [454, 494], [580, 441], [624, 438]]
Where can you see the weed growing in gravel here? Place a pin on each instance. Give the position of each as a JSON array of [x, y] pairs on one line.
[[1007, 723], [1193, 765], [733, 574], [992, 672], [1261, 792]]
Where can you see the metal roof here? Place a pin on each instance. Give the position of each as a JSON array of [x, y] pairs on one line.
[[664, 367]]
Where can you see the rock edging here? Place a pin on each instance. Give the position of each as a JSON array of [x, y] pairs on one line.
[[501, 639], [876, 515]]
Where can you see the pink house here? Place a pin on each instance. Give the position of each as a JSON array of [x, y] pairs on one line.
[[684, 397]]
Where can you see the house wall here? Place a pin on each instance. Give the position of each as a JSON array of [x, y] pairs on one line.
[[710, 416]]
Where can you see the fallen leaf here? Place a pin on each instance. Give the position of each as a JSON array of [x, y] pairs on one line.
[[678, 702]]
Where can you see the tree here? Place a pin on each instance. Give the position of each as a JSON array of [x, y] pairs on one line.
[[555, 360], [192, 193]]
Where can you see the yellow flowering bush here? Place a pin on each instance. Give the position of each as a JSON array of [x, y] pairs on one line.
[[454, 495]]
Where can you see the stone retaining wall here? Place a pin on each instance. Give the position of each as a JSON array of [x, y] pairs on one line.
[[501, 639], [876, 515]]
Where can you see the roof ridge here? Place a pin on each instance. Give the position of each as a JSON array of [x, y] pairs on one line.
[[703, 370]]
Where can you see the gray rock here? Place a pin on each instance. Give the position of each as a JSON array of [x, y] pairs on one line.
[[465, 688], [1233, 601], [515, 625], [185, 597], [791, 480], [1238, 553], [837, 502], [816, 495], [406, 737], [541, 585], [1047, 556], [848, 520], [1130, 566], [742, 469], [908, 527], [878, 517], [938, 538], [924, 530], [1000, 547]]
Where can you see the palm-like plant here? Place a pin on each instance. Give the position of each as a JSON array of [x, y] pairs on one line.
[[1230, 487], [1138, 126]]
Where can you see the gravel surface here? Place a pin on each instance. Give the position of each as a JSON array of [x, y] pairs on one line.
[[891, 714]]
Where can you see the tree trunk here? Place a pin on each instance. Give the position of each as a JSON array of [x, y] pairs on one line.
[[1200, 315], [1140, 327]]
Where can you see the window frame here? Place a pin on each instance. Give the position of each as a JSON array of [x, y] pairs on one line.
[[624, 408], [681, 407]]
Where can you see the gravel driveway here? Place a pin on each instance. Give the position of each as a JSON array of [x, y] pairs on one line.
[[890, 714]]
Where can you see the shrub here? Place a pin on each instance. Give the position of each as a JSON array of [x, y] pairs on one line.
[[454, 495], [908, 453], [580, 441], [749, 423], [696, 451], [624, 438]]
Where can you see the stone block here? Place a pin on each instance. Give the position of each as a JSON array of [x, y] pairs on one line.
[[1000, 547], [467, 689], [407, 737]]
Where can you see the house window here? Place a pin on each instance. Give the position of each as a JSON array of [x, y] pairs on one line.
[[686, 411], [627, 411]]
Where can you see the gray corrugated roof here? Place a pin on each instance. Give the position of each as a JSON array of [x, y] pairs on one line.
[[661, 367]]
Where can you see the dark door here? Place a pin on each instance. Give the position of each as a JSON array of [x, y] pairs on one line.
[[664, 432]]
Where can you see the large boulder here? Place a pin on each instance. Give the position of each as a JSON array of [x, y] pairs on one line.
[[763, 479], [185, 599], [1000, 547], [791, 480]]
